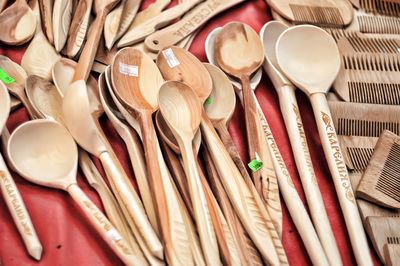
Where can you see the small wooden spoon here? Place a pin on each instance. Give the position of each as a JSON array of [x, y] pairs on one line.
[[62, 15], [17, 88], [46, 11], [10, 192], [182, 112], [309, 57], [51, 160], [178, 64], [17, 23]]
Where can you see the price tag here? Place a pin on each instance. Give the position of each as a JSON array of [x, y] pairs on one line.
[[170, 57], [255, 164], [5, 78], [129, 70], [208, 100]]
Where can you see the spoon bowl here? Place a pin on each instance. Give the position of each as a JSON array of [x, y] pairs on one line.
[[4, 105], [51, 160], [209, 47], [309, 57]]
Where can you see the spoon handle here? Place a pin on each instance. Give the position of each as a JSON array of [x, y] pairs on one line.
[[261, 230], [200, 206], [265, 178], [340, 176], [298, 141], [108, 232], [18, 211], [133, 203], [247, 252]]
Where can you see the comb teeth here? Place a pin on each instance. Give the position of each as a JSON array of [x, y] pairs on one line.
[[389, 180], [384, 7], [375, 62], [393, 239], [376, 24], [320, 15], [376, 93], [359, 157], [373, 45], [354, 127]]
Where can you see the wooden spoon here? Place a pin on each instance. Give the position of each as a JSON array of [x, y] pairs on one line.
[[17, 88], [133, 145], [51, 160], [102, 8], [46, 11], [241, 64], [40, 55], [79, 27], [62, 15], [10, 192], [17, 23], [290, 111], [3, 4], [182, 112], [309, 57], [79, 119], [178, 64]]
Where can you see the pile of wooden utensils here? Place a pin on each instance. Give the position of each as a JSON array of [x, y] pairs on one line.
[[182, 217]]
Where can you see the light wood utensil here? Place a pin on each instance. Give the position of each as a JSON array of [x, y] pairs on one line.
[[17, 88], [119, 20], [51, 160], [187, 68], [151, 11], [176, 32], [136, 81], [294, 126], [81, 124], [14, 103], [3, 3], [62, 16], [17, 23], [10, 192], [331, 13], [182, 112], [143, 30], [79, 27], [102, 8], [392, 254], [40, 55], [133, 145], [389, 8], [383, 230], [241, 64], [46, 11], [309, 57], [380, 182]]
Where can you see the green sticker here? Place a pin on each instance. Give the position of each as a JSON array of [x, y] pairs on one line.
[[255, 165], [5, 78], [208, 100]]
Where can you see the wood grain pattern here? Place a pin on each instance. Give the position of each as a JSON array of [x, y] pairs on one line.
[[392, 254], [46, 11], [62, 15]]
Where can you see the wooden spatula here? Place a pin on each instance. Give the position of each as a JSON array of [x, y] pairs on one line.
[[392, 254], [380, 182]]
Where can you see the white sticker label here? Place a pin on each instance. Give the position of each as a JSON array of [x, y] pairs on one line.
[[129, 70], [113, 235], [170, 57]]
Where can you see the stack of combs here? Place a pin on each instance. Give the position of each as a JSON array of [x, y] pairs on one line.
[[365, 104]]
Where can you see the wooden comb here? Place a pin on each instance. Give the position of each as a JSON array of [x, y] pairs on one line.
[[376, 24], [356, 42], [381, 180], [391, 254], [368, 120], [384, 7], [329, 13], [357, 151], [383, 230]]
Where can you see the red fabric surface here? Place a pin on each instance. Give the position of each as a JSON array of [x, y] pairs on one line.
[[65, 233]]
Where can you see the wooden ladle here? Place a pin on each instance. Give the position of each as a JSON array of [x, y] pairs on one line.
[[309, 57], [51, 160], [182, 112], [17, 23], [178, 64], [10, 192]]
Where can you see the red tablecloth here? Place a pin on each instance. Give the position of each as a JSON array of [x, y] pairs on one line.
[[66, 235]]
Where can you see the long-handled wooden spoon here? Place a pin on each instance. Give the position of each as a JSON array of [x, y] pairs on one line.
[[62, 15], [51, 160], [246, 58], [17, 23], [10, 192], [309, 57], [81, 124], [46, 11], [290, 111], [182, 112], [178, 64]]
